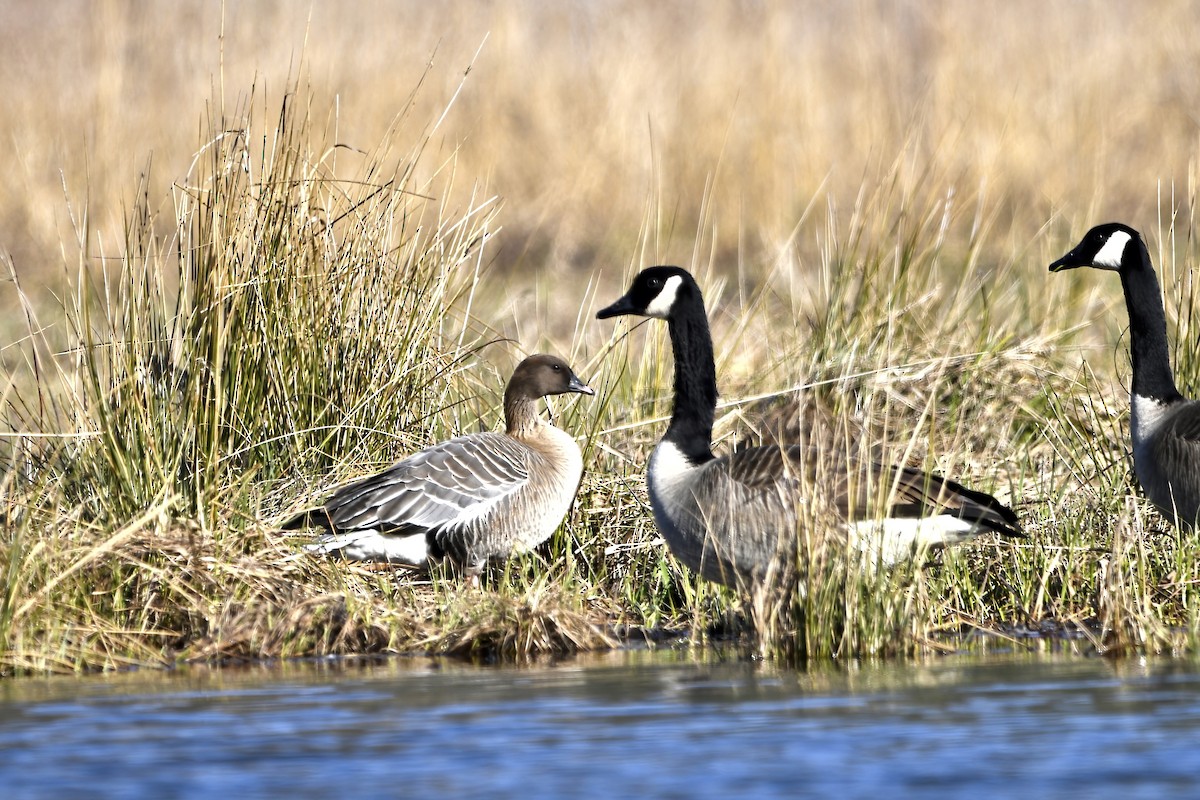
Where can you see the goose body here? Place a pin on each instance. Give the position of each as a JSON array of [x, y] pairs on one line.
[[469, 499], [1164, 425], [729, 517]]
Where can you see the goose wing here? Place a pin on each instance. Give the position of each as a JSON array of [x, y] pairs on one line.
[[766, 469], [1183, 428], [1172, 483], [779, 476], [922, 494], [761, 484], [443, 487]]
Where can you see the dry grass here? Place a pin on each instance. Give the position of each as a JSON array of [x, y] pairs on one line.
[[575, 114], [290, 296]]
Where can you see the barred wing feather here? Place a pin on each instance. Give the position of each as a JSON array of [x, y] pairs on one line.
[[445, 486], [772, 477]]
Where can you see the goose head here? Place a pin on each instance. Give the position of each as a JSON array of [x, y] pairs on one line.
[[1113, 246], [656, 292], [541, 375]]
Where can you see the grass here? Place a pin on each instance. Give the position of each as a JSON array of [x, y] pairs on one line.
[[274, 308]]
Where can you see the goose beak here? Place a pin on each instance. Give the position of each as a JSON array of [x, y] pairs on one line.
[[1069, 261], [576, 385], [620, 308]]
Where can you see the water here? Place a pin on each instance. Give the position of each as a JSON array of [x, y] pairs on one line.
[[630, 723]]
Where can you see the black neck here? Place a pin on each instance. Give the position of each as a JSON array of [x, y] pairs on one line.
[[1147, 327], [695, 382]]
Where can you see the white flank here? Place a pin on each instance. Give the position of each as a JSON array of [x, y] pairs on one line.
[[373, 546], [894, 540], [1109, 256], [660, 306]]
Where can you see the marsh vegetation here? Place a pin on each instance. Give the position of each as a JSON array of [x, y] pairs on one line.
[[347, 255]]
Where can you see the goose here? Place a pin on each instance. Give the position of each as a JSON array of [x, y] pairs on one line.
[[1165, 426], [727, 517], [469, 499]]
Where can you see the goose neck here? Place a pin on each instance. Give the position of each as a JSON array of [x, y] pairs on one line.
[[521, 415], [1148, 331], [695, 384]]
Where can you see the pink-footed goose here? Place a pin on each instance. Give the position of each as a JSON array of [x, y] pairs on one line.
[[470, 499]]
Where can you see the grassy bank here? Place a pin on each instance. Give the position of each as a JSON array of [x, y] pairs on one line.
[[289, 309]]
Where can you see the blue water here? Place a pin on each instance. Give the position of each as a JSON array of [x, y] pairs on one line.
[[632, 724]]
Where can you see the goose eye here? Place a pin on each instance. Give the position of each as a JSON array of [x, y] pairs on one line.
[[655, 283]]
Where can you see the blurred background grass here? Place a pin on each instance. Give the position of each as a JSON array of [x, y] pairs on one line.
[[732, 117]]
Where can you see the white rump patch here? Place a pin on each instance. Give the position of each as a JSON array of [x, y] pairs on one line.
[[373, 546], [660, 306], [1109, 256], [893, 540]]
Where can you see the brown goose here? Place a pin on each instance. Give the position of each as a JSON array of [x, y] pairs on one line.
[[471, 498], [1165, 426], [728, 517]]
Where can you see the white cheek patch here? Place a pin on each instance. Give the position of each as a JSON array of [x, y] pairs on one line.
[[660, 306], [1109, 256]]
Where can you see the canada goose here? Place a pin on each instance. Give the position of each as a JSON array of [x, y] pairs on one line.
[[727, 517], [468, 499], [1165, 425]]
